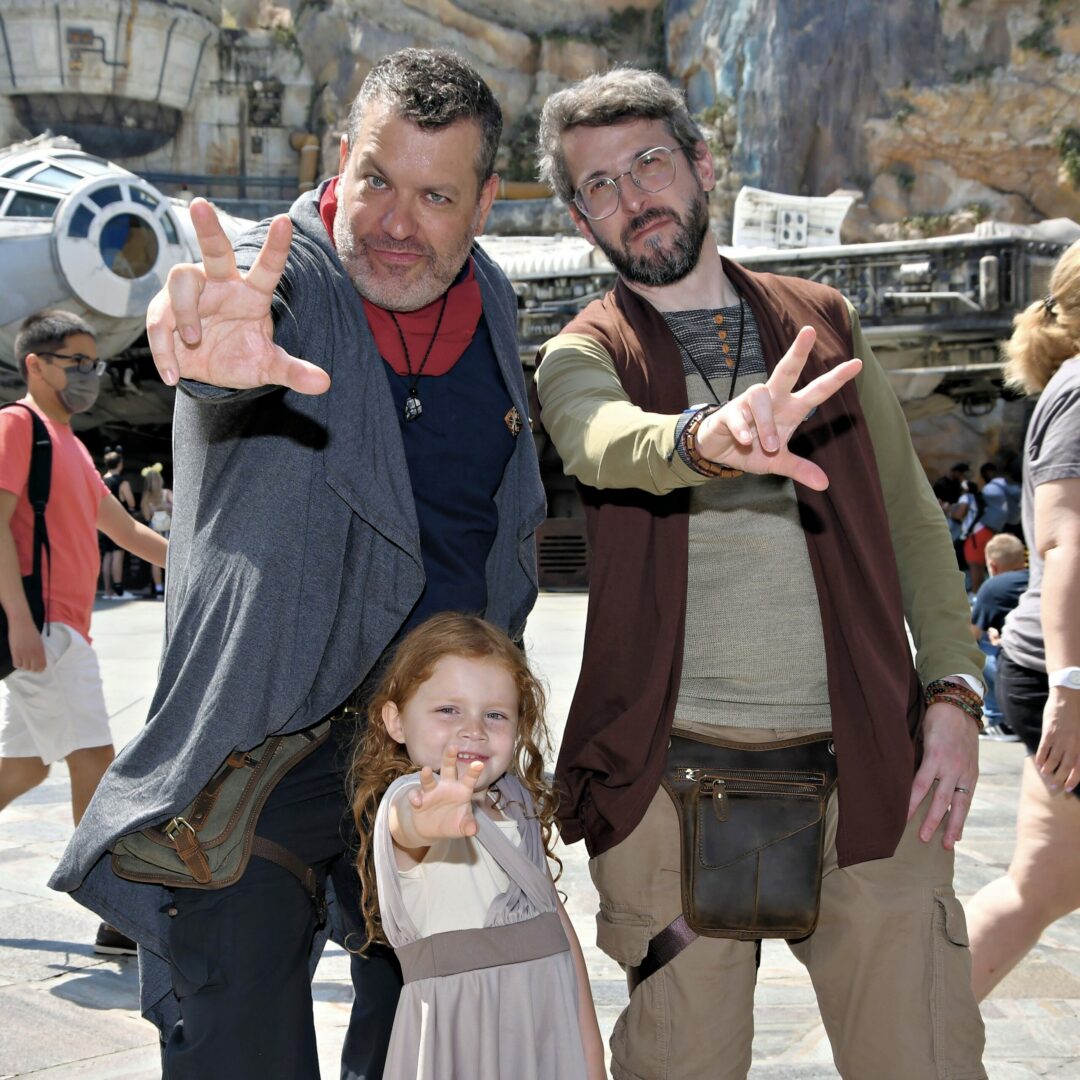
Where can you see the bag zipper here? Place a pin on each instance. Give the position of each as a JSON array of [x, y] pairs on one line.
[[719, 786], [752, 776]]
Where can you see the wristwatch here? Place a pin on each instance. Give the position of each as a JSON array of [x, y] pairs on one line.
[[1069, 677]]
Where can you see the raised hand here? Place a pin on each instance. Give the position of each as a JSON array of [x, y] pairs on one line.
[[212, 323], [441, 806], [751, 432]]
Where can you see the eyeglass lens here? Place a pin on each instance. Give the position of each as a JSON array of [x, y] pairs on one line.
[[83, 363], [651, 171]]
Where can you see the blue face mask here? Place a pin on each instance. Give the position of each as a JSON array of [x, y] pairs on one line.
[[81, 390]]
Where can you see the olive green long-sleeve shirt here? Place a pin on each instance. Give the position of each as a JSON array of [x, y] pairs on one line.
[[606, 441]]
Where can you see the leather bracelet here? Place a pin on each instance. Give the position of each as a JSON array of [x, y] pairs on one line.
[[689, 452], [958, 695]]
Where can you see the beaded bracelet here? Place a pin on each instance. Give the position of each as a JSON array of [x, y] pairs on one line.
[[690, 453], [963, 697]]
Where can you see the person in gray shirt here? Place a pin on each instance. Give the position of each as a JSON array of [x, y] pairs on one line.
[[1039, 669]]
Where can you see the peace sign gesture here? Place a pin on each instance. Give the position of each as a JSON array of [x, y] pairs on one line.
[[212, 323], [751, 432]]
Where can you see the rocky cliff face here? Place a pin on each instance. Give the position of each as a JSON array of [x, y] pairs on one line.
[[928, 107], [524, 52]]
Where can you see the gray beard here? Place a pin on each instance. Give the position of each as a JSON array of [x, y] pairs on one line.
[[657, 267], [385, 292]]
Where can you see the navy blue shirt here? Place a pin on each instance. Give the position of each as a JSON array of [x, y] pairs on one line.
[[457, 451], [997, 596]]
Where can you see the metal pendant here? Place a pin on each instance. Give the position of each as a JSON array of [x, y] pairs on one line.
[[413, 408]]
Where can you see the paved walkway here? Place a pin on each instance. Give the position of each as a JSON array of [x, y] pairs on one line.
[[65, 1013]]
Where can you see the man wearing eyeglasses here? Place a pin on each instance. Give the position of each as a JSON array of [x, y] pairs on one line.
[[777, 533], [54, 708]]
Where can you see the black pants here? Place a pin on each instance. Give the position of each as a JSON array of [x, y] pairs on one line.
[[1022, 694], [241, 954]]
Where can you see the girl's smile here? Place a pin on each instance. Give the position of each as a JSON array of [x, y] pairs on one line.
[[467, 702]]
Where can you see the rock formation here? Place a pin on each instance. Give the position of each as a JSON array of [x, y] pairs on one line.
[[928, 107]]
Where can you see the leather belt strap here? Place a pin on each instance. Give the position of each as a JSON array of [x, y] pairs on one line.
[[281, 856], [207, 799], [663, 948]]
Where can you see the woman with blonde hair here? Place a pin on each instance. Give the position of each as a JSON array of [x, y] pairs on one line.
[[156, 506], [1039, 669]]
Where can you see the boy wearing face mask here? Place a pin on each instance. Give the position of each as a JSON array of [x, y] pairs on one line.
[[53, 707]]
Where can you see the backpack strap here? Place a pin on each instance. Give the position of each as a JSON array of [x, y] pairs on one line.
[[39, 484]]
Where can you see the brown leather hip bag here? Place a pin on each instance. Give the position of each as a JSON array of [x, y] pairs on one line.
[[752, 824]]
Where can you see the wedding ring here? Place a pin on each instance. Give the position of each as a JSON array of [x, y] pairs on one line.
[[963, 790]]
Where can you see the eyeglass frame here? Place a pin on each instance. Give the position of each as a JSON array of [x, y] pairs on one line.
[[579, 199], [80, 360]]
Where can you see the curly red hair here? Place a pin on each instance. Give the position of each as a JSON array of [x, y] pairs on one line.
[[379, 760]]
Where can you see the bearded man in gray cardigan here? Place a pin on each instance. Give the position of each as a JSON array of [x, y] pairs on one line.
[[323, 506]]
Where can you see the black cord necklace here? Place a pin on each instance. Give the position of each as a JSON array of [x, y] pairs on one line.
[[413, 408], [735, 367]]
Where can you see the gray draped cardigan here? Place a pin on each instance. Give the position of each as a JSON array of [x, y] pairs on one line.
[[294, 560]]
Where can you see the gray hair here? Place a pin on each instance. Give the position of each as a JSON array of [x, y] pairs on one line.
[[432, 88], [614, 97]]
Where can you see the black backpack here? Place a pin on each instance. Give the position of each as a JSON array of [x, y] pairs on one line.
[[980, 507], [40, 480]]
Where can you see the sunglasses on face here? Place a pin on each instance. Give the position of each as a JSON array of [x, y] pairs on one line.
[[85, 365]]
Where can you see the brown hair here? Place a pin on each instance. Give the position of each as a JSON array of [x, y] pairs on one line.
[[1047, 332], [378, 760], [618, 96]]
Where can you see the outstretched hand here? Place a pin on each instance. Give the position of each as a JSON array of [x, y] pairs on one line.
[[751, 432], [442, 806], [212, 323]]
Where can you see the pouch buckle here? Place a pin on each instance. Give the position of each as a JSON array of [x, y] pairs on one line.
[[171, 828]]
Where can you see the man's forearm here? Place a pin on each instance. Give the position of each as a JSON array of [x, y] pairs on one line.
[[604, 440], [124, 531], [148, 545], [12, 594]]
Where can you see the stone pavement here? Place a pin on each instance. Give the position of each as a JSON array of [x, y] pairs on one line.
[[66, 1013]]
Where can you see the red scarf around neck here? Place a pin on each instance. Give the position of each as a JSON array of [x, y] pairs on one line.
[[459, 321]]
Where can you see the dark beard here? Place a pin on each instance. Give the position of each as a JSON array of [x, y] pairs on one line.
[[657, 266]]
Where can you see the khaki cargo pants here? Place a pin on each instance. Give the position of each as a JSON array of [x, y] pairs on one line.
[[889, 962]]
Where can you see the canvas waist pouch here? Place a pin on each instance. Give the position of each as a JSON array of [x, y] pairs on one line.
[[752, 824], [208, 844]]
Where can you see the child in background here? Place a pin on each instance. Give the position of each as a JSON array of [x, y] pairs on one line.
[[453, 865]]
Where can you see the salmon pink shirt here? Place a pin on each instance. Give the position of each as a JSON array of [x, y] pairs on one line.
[[70, 576]]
